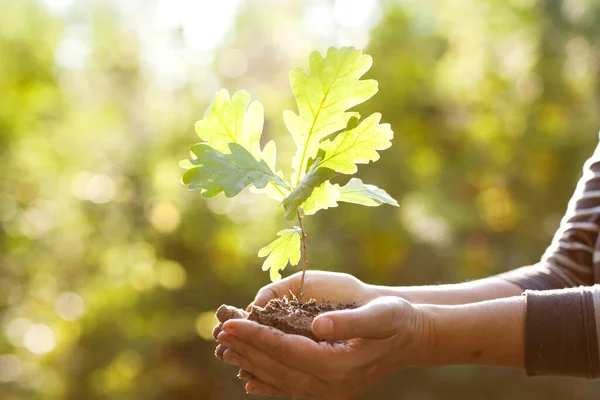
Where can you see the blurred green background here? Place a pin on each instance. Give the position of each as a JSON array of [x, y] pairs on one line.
[[110, 270]]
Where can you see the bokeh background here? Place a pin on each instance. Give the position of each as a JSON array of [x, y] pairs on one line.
[[110, 271]]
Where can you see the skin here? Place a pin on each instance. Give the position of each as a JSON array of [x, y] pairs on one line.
[[344, 287], [393, 330]]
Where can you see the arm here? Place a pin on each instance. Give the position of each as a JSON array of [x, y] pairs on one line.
[[486, 333], [343, 288], [547, 333], [460, 293]]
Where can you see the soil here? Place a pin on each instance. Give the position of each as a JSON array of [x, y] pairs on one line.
[[287, 315]]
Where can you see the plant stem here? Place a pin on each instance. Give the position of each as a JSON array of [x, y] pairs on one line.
[[304, 268]]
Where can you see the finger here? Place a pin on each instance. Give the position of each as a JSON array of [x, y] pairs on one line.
[[295, 351], [255, 386], [271, 291], [285, 378], [239, 360], [375, 320], [243, 374], [262, 297]]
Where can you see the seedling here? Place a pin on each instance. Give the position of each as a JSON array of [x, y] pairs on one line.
[[329, 140]]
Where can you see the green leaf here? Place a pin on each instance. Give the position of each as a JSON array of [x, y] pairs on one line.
[[321, 198], [357, 146], [234, 120], [324, 95], [237, 120], [314, 178], [355, 191], [214, 172], [272, 190], [283, 249], [352, 123]]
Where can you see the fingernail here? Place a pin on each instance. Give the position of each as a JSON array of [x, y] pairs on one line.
[[245, 375], [323, 326], [225, 339]]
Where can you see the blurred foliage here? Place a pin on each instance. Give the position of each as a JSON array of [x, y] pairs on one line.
[[110, 270]]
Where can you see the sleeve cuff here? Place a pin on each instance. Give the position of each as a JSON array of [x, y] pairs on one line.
[[560, 333]]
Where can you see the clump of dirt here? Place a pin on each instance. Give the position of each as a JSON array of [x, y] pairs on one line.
[[293, 316], [287, 315]]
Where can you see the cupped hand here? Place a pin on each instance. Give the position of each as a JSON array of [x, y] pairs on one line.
[[363, 345], [319, 285]]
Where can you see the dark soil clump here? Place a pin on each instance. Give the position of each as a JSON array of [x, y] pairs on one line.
[[289, 316], [292, 316]]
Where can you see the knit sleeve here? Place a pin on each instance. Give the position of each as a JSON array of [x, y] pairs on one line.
[[569, 260], [561, 332]]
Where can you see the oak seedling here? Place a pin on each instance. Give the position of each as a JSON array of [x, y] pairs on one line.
[[330, 140]]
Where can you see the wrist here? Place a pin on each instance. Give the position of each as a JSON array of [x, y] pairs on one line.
[[415, 336], [426, 334]]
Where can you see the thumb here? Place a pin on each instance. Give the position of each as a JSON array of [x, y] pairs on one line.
[[377, 319]]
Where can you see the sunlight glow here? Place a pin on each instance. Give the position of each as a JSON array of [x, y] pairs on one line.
[[15, 330], [58, 6], [69, 306], [205, 323], [170, 274], [204, 23], [71, 53], [354, 13], [39, 339]]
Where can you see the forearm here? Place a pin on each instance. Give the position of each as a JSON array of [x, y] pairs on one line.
[[461, 293], [546, 332], [485, 333]]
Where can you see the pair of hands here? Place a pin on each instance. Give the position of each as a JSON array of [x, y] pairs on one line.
[[384, 335]]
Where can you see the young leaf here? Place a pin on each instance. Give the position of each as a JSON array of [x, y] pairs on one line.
[[214, 172], [352, 123], [315, 177], [283, 249], [321, 198], [324, 95], [234, 120], [272, 190], [355, 191], [357, 146]]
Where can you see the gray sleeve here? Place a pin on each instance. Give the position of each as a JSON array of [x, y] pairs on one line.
[[561, 332], [569, 260]]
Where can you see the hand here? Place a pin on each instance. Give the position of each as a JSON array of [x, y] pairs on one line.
[[332, 286], [383, 336]]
